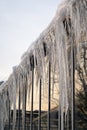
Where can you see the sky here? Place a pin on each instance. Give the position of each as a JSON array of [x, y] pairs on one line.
[[21, 22]]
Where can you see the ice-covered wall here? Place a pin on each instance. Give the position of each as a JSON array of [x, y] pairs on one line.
[[59, 46]]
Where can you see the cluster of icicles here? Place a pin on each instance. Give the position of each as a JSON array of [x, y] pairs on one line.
[[56, 46]]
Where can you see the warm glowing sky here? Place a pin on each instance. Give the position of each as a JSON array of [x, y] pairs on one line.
[[21, 22]]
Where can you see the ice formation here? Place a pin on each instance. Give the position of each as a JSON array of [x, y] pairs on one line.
[[59, 46]]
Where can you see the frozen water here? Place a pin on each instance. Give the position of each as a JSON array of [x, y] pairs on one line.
[[55, 45]]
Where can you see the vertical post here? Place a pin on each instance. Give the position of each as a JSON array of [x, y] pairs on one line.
[[49, 96], [31, 118], [73, 93], [73, 87], [19, 115], [25, 106], [39, 121], [9, 115], [32, 91]]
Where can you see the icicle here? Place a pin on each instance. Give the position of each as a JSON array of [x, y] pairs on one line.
[[1, 113], [14, 97], [65, 34]]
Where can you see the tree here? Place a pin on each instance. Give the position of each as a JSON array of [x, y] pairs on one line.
[[81, 95]]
